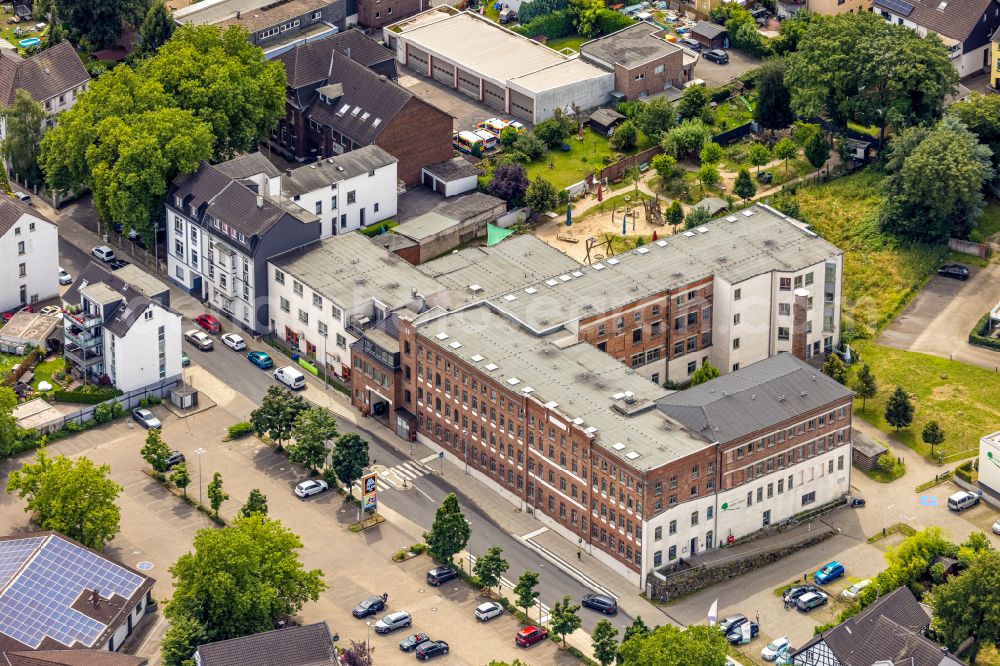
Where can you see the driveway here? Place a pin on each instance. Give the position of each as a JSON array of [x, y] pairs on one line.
[[716, 75], [939, 319], [466, 110]]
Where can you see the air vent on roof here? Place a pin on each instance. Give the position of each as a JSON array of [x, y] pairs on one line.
[[747, 213], [456, 345], [613, 262], [441, 336], [721, 259], [531, 290], [551, 282], [618, 446], [543, 322], [731, 218], [618, 396], [629, 397], [475, 288], [513, 381], [476, 358], [688, 234], [642, 250], [598, 267], [510, 297], [492, 366], [631, 455]]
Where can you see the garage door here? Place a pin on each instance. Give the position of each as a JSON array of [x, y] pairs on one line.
[[428, 180], [416, 59], [468, 83], [494, 96], [439, 186], [522, 106], [444, 73]]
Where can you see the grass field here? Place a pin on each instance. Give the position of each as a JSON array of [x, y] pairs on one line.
[[45, 370], [989, 223], [733, 113], [961, 398], [572, 166], [569, 42]]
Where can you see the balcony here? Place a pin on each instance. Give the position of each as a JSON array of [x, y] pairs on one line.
[[84, 320], [82, 356]]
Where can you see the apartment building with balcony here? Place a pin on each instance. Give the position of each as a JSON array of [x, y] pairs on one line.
[[113, 333], [29, 245]]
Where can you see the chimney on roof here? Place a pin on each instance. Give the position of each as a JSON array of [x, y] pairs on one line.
[[260, 201], [381, 77], [799, 314], [95, 597], [288, 172]]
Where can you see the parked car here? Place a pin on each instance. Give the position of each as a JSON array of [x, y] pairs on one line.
[[311, 487], [717, 56], [488, 610], [956, 271], [412, 641], [963, 499], [146, 418], [429, 649], [290, 377], [530, 635], [260, 359], [776, 648], [369, 606], [735, 636], [810, 600], [208, 322], [854, 590], [830, 572], [175, 458], [115, 264], [440, 575], [185, 360], [996, 527], [599, 602], [199, 339], [64, 276], [103, 252], [796, 591], [393, 621], [731, 622], [692, 44], [23, 198], [234, 341]]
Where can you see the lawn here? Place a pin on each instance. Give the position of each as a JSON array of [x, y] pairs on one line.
[[45, 370], [989, 223], [8, 361], [733, 113], [582, 158], [961, 398], [881, 274], [571, 42]]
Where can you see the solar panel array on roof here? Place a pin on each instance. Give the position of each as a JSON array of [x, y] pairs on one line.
[[37, 602], [13, 555], [900, 7]]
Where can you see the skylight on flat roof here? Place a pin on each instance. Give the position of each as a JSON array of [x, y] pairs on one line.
[[747, 213], [552, 404], [642, 250], [631, 455], [531, 290], [441, 336], [618, 446], [527, 389], [598, 267], [513, 381], [613, 261], [576, 274], [492, 366], [456, 345], [565, 278], [661, 243], [510, 297], [731, 218], [551, 282], [476, 358], [702, 230], [688, 234]]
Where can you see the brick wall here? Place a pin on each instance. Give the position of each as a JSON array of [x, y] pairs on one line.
[[374, 14], [419, 135], [652, 81]]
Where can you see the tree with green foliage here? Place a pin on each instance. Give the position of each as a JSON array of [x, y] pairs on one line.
[[665, 167], [694, 101], [835, 369], [157, 27], [773, 108], [241, 579], [155, 451], [98, 23], [216, 495], [11, 435], [181, 478], [313, 429], [706, 372], [277, 414], [585, 13], [785, 150], [184, 635], [491, 567], [675, 215], [565, 618], [758, 155], [25, 121], [604, 641], [695, 218], [816, 149], [510, 183], [525, 591], [633, 175], [899, 409], [656, 117], [793, 28], [865, 385], [932, 435], [686, 139], [981, 115], [968, 605], [349, 459], [709, 176], [74, 497], [935, 183], [450, 531], [638, 629], [624, 137], [744, 186], [710, 153], [256, 504], [508, 135], [541, 195], [668, 645], [551, 131]]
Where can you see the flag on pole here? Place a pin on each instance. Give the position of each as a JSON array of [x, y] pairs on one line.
[[625, 224], [713, 613]]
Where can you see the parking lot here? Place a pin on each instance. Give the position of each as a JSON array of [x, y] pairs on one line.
[[467, 111], [715, 75]]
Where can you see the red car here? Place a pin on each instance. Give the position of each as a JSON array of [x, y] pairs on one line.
[[208, 322], [530, 636]]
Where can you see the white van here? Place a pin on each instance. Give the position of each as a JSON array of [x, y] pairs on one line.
[[963, 500], [290, 377]]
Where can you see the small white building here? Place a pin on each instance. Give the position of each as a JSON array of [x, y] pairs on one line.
[[451, 177], [989, 463], [29, 256]]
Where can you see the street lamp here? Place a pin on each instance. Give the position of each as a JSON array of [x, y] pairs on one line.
[[368, 645], [199, 452]]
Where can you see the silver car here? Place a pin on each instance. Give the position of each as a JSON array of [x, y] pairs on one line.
[[393, 621], [146, 418]]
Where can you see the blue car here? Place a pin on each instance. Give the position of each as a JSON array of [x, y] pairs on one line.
[[260, 359], [830, 572]]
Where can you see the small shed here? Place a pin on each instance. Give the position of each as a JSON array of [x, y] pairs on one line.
[[866, 452], [604, 121], [27, 329], [857, 149], [451, 177], [709, 35], [38, 415], [714, 205]]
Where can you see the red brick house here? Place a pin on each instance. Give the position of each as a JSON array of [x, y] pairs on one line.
[[375, 14]]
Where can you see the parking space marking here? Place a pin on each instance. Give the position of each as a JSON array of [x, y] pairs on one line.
[[532, 535]]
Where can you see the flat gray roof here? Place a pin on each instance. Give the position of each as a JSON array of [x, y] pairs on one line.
[[751, 242], [213, 11], [143, 282], [631, 46], [426, 225], [323, 173], [573, 377], [349, 269]]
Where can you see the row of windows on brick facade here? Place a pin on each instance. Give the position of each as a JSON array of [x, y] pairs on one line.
[[681, 322], [786, 434]]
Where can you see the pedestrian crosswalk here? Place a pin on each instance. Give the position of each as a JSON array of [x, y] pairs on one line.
[[394, 477]]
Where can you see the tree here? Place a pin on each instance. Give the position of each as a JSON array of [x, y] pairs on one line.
[[73, 497], [508, 135], [685, 139], [99, 22], [552, 132], [541, 195], [565, 618], [510, 182], [240, 579], [968, 605], [155, 451], [669, 646], [816, 149], [491, 567], [312, 429], [11, 435], [604, 641], [216, 496], [865, 385], [835, 369], [277, 414], [981, 115], [665, 167], [450, 531], [349, 459], [709, 176], [182, 639], [932, 434], [256, 504], [525, 590], [935, 184], [637, 628], [359, 654], [695, 218], [785, 150], [694, 102], [25, 120], [585, 13], [758, 155], [530, 145], [706, 372], [624, 137], [899, 409], [744, 186], [157, 27], [710, 153], [181, 478], [675, 215], [773, 109], [224, 80], [656, 117], [633, 175], [884, 74]]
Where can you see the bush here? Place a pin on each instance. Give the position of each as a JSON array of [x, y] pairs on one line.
[[980, 334], [720, 95], [532, 10], [86, 395], [108, 411], [240, 429], [418, 548], [553, 25], [608, 21], [376, 229]]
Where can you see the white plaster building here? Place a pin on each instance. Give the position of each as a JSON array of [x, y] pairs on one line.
[[54, 78], [29, 256]]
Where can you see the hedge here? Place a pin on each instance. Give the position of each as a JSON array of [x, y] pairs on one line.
[[553, 25], [86, 397], [376, 229], [979, 335], [240, 429], [608, 21], [532, 10]]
